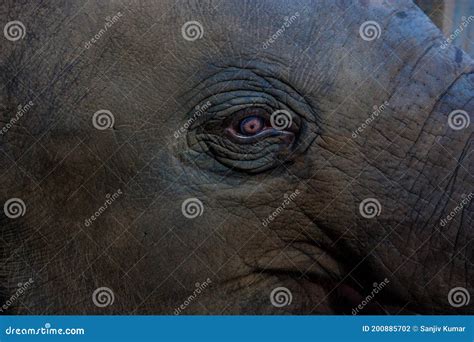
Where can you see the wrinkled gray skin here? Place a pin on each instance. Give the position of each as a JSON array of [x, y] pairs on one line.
[[151, 79]]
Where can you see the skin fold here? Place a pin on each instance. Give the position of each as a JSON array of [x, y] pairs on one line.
[[310, 178]]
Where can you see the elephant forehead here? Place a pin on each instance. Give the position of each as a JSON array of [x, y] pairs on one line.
[[316, 44]]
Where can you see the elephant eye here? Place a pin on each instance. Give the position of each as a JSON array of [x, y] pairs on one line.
[[251, 125], [248, 124], [250, 131], [254, 124], [250, 138]]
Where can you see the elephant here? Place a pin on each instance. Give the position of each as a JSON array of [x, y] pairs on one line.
[[234, 157]]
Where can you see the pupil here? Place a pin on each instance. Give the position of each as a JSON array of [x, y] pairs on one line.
[[251, 125]]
